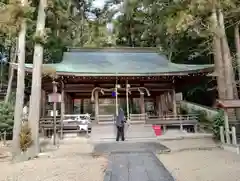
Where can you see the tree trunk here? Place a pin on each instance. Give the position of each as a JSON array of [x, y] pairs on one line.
[[16, 151], [218, 60], [35, 99], [237, 44], [231, 89], [228, 68], [82, 24], [13, 57]]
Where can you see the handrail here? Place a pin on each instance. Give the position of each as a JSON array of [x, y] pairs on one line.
[[48, 119], [105, 118], [199, 105], [105, 115], [77, 115], [174, 116]]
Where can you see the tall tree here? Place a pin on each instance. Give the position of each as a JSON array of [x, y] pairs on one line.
[[20, 87], [218, 60], [13, 57], [35, 99]]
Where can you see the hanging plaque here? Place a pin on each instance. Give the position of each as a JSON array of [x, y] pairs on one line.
[[54, 97]]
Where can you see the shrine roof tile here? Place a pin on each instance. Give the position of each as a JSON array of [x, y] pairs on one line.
[[97, 63]]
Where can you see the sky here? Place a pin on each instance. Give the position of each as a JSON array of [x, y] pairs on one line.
[[99, 3]]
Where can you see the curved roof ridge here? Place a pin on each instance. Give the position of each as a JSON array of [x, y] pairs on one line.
[[114, 49]]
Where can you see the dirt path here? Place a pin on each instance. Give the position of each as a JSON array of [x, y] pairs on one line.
[[71, 162]]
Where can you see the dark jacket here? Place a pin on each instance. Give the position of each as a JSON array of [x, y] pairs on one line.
[[120, 119]]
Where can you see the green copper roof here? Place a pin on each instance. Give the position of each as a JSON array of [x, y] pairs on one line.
[[121, 63]]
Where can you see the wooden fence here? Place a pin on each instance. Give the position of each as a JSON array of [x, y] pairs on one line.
[[4, 137]]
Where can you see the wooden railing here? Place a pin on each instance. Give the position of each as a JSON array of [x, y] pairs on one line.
[[46, 125], [105, 119], [138, 118], [175, 117], [48, 122], [165, 121], [174, 120]]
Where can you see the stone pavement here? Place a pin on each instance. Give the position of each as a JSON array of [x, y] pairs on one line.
[[143, 166], [133, 161]]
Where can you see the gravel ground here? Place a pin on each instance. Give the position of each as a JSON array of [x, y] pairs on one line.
[[186, 144], [71, 162], [203, 165]]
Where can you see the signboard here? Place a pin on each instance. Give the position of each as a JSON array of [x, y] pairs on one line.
[[179, 96], [54, 97]]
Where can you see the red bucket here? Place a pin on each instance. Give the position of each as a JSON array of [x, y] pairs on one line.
[[157, 129]]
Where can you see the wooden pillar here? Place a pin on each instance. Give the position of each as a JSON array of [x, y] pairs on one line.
[[170, 99], [167, 103], [163, 104], [226, 126], [43, 103], [131, 107], [69, 104], [66, 103], [54, 115], [96, 99], [82, 106], [62, 108], [159, 106], [142, 104], [174, 102], [62, 101]]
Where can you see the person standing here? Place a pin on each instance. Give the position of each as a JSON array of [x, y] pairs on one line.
[[120, 120]]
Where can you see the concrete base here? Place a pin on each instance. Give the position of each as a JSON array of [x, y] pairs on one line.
[[70, 135], [178, 135], [231, 148], [108, 132], [74, 140]]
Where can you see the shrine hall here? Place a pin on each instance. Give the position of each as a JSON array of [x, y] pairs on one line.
[[97, 81]]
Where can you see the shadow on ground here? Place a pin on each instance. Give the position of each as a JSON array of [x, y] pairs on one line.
[[134, 161], [118, 147], [143, 166]]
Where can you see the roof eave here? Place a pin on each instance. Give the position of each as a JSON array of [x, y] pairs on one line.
[[182, 73], [114, 49]]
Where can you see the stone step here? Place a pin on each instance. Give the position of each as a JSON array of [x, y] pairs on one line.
[[136, 131]]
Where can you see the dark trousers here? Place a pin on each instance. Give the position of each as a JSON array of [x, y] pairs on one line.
[[120, 133]]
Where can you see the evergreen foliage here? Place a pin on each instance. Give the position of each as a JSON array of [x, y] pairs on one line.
[[179, 29], [6, 115], [218, 121]]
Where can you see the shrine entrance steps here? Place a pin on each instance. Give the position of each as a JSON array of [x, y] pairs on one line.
[[132, 132]]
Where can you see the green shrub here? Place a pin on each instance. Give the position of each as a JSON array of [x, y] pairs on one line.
[[6, 116], [218, 121]]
